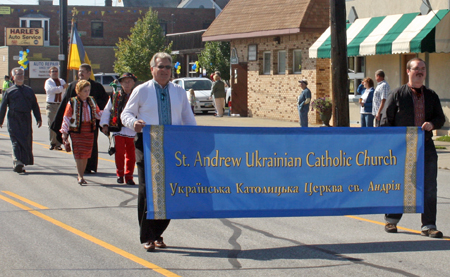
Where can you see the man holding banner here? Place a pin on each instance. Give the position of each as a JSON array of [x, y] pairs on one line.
[[155, 102], [413, 104]]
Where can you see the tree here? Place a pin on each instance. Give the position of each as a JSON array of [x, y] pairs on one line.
[[134, 53], [216, 56]]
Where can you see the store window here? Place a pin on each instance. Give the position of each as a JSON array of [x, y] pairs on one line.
[[37, 21], [356, 72], [281, 62], [96, 29], [266, 63]]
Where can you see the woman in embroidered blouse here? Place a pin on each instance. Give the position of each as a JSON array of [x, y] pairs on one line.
[[80, 122]]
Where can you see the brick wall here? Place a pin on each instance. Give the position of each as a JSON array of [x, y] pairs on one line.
[[274, 96], [100, 57], [117, 21], [4, 70]]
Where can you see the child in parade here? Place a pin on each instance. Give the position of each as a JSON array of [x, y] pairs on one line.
[[192, 99]]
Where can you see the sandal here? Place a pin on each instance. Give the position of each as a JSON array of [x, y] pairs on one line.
[[81, 182]]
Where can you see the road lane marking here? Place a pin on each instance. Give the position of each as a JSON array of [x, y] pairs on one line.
[[90, 238], [23, 199], [382, 224]]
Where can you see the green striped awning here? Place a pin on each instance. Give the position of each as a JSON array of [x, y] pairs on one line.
[[392, 34]]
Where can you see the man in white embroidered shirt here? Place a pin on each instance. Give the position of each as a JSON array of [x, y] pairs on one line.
[[155, 102], [54, 88]]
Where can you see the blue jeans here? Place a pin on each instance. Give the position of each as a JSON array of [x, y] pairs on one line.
[[303, 113], [430, 190], [367, 120]]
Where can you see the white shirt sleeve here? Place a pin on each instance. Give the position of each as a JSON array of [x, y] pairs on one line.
[[106, 114]]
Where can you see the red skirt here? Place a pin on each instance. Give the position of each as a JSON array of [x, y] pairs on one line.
[[83, 142]]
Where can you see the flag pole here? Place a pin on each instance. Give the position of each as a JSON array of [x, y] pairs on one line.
[[70, 43]]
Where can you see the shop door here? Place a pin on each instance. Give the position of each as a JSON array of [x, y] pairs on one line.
[[239, 89]]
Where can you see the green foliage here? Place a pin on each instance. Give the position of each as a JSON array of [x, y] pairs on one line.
[[443, 138], [216, 56], [134, 53]]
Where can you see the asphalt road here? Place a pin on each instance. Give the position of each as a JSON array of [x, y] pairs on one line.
[[50, 226]]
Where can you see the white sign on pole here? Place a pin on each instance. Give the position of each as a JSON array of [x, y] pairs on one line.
[[41, 69]]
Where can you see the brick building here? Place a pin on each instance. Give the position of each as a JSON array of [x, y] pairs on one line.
[[269, 45], [387, 39], [99, 27]]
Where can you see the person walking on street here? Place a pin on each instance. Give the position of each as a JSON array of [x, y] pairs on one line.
[[379, 96], [100, 97], [303, 103], [21, 101], [155, 102], [219, 93], [80, 122], [413, 104], [123, 137], [54, 88]]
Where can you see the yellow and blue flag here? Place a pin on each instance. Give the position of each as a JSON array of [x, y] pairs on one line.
[[77, 55]]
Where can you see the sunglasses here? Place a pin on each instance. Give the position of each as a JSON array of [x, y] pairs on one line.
[[53, 70], [168, 67]]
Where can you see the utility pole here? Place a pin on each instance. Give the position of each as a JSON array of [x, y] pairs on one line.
[[339, 68], [63, 37]]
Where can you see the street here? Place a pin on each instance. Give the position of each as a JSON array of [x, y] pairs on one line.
[[51, 226]]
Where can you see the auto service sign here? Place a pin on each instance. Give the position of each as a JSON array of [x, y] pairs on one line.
[[24, 36], [40, 69]]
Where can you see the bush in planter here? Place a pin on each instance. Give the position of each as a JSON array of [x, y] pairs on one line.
[[321, 104]]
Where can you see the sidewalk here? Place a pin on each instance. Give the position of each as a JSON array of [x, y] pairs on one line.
[[210, 120]]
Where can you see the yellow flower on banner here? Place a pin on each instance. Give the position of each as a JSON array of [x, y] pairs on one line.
[[103, 12]]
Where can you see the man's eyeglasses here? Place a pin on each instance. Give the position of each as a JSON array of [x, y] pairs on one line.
[[419, 69], [168, 67], [53, 70]]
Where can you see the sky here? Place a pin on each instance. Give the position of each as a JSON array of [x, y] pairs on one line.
[[56, 2]]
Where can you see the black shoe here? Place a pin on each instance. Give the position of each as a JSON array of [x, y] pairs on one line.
[[131, 182], [120, 180], [51, 147], [58, 148], [18, 168]]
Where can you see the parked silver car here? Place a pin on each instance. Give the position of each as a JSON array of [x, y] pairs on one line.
[[202, 90], [105, 79]]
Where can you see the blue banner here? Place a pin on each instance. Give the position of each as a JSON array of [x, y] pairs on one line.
[[220, 172]]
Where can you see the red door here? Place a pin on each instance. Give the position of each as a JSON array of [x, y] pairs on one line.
[[239, 89]]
